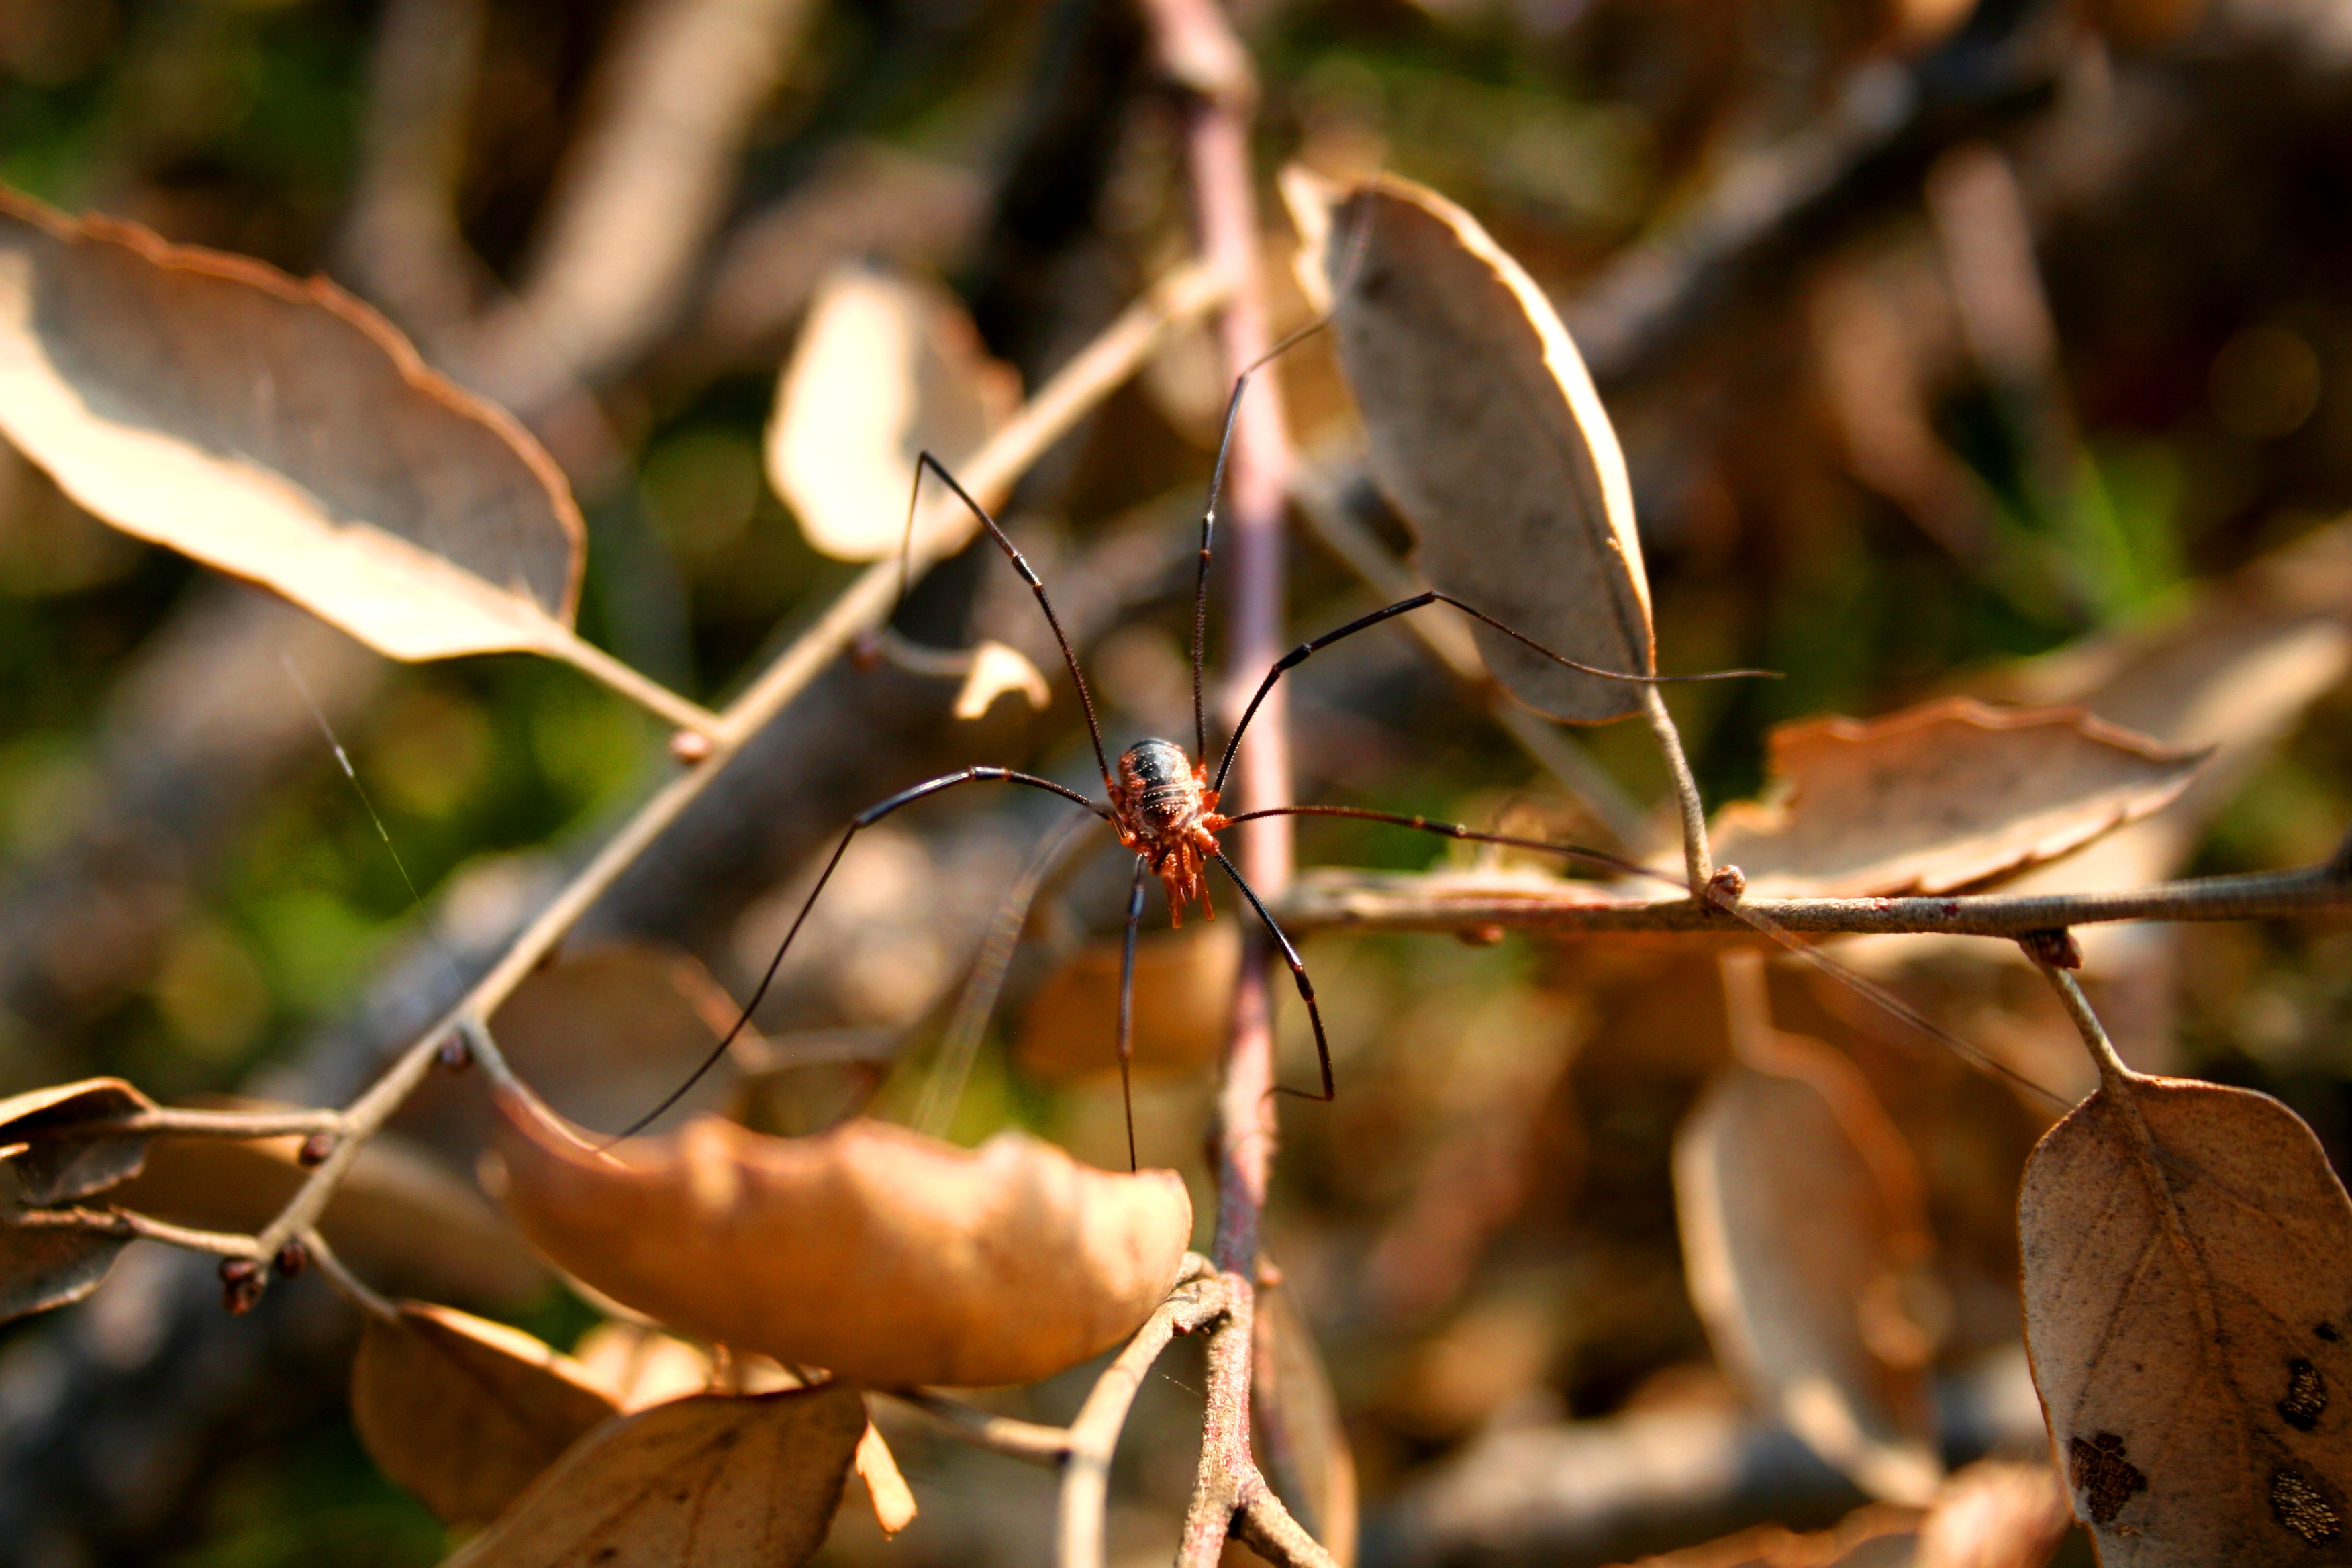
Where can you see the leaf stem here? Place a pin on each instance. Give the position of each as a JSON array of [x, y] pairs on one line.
[[985, 1429], [634, 684], [1697, 862], [135, 1227], [2113, 1074]]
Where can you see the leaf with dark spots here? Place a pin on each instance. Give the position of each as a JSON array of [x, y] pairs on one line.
[[2177, 1237]]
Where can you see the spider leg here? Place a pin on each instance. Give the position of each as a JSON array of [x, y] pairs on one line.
[[1297, 974], [1126, 1002], [864, 819], [1600, 858], [1306, 650], [1028, 575]]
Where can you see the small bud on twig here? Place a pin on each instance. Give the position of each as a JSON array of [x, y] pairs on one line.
[[2057, 948], [316, 1147], [241, 1285], [292, 1258], [1479, 936], [689, 746], [455, 1054], [1727, 883]]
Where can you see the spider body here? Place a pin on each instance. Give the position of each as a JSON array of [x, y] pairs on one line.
[[1164, 810]]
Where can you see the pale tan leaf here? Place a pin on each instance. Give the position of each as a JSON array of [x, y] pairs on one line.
[[1486, 433], [1805, 1243], [1945, 796], [282, 431], [646, 1366], [2188, 1274], [46, 1155], [996, 671], [1997, 1513], [1184, 1003], [718, 1480], [400, 1218], [602, 1035], [887, 367], [937, 1265], [465, 1412], [894, 1502], [1299, 1430]]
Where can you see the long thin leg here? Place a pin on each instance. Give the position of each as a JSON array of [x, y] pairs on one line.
[[1306, 650], [1298, 973], [864, 819], [1356, 252], [1601, 857], [1028, 575], [1126, 1002]]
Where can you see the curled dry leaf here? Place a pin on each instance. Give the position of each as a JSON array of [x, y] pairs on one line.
[[1805, 1241], [57, 1160], [881, 1254], [996, 671], [2187, 1271], [466, 1413], [280, 430], [401, 1218], [1947, 794], [43, 1161], [717, 1478], [1486, 433], [1183, 1001], [887, 368]]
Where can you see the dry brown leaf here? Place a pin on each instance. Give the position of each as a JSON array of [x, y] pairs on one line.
[[1945, 796], [466, 1413], [1997, 1513], [1183, 1001], [2187, 1264], [400, 1218], [870, 1250], [1805, 1242], [894, 1502], [1300, 1429], [1485, 432], [280, 430], [887, 367], [715, 1480], [44, 1268], [47, 1168], [996, 671]]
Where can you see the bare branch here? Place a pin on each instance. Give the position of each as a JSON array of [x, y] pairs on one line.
[[1371, 901], [1200, 1299]]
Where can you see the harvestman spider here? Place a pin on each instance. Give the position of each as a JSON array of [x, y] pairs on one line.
[[1161, 802]]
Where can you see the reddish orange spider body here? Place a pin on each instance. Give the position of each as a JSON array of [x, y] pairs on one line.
[[1164, 810]]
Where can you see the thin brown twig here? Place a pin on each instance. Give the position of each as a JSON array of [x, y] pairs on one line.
[[182, 1121], [132, 1226], [1200, 1297], [1448, 904], [1697, 862], [1005, 1435]]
